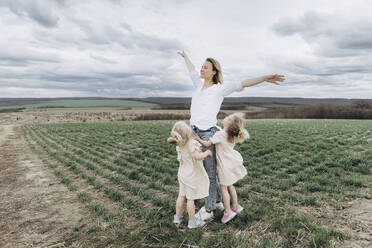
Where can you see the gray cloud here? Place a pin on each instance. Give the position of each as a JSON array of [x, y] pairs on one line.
[[116, 1], [359, 37], [309, 26], [94, 82], [103, 59], [124, 35], [41, 11], [23, 57], [128, 48], [324, 69], [330, 35], [338, 52]]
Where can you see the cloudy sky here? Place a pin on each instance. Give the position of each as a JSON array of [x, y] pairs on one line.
[[113, 48]]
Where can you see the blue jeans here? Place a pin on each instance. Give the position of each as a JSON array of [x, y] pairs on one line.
[[210, 165]]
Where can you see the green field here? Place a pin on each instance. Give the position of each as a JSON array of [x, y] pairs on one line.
[[1, 130], [85, 104], [292, 165]]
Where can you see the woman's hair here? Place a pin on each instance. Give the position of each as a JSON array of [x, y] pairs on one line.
[[236, 131], [180, 134], [217, 78]]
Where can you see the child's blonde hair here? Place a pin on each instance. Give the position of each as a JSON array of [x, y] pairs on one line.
[[180, 134], [236, 131]]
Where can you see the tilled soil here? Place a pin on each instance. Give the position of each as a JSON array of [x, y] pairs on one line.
[[359, 213], [35, 209]]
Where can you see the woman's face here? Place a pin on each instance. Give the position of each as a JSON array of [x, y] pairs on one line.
[[206, 72]]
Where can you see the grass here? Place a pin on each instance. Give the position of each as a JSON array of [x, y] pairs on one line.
[[291, 164], [1, 130], [85, 104]]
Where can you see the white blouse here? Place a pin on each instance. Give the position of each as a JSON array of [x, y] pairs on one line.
[[206, 103]]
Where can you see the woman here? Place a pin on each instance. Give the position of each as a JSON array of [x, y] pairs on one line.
[[205, 105]]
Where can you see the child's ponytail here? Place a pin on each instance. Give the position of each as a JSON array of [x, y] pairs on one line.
[[176, 139], [179, 134], [236, 131], [172, 141], [243, 135]]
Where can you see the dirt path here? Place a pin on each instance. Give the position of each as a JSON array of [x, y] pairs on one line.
[[35, 209], [359, 215], [3, 135]]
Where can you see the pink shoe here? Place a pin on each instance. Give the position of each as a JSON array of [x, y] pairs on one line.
[[227, 216], [238, 209]]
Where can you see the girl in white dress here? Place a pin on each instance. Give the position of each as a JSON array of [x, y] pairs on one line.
[[230, 166], [192, 177]]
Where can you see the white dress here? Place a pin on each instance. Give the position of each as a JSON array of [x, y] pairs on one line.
[[192, 177], [230, 166]]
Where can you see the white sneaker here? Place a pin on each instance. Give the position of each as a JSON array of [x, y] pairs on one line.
[[220, 206], [228, 216], [238, 209], [195, 224], [203, 215], [177, 219]]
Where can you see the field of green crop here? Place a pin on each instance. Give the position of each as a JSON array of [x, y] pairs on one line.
[[86, 104], [126, 175]]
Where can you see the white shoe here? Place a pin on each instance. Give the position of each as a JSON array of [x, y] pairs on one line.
[[177, 219], [195, 224], [228, 216], [220, 206], [238, 209], [203, 215]]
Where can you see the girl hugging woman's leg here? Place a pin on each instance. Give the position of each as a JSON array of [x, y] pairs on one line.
[[192, 177]]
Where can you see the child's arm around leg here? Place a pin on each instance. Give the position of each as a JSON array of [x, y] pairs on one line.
[[203, 142], [201, 155]]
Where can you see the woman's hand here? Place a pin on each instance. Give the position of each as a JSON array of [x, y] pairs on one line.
[[274, 78], [182, 53], [189, 65]]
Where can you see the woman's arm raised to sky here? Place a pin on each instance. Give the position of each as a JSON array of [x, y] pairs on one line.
[[275, 79], [189, 65]]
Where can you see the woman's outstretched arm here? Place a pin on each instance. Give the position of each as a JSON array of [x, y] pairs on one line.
[[189, 65], [275, 79]]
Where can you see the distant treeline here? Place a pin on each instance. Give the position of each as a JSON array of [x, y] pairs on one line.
[[61, 107], [170, 116], [357, 110], [11, 110], [178, 106], [185, 106]]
